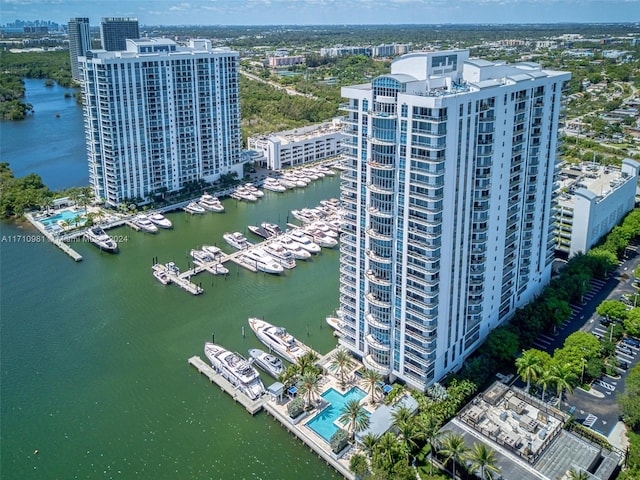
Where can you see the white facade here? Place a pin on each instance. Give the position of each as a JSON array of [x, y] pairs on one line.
[[158, 116], [298, 146], [600, 199], [448, 192]]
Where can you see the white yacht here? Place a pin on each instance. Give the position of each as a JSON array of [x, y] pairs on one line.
[[273, 184], [160, 272], [319, 237], [160, 220], [305, 215], [144, 223], [288, 183], [209, 259], [211, 203], [294, 247], [100, 239], [241, 193], [295, 179], [236, 240], [304, 241], [280, 254], [278, 340], [194, 208], [325, 228], [201, 256], [269, 363], [212, 249], [272, 229], [251, 188], [263, 262], [235, 368]]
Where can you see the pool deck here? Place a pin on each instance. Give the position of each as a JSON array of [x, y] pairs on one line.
[[54, 240]]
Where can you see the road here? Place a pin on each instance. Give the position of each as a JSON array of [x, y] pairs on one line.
[[289, 90], [598, 408]]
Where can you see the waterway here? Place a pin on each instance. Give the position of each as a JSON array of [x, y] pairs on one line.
[[49, 142], [93, 355]]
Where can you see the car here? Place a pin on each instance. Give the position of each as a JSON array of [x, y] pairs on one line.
[[623, 365], [624, 349], [631, 341]]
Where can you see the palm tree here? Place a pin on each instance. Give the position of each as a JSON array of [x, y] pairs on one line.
[[371, 378], [307, 363], [340, 361], [453, 448], [369, 442], [401, 415], [483, 458], [290, 376], [309, 386], [564, 378], [354, 416], [545, 379], [410, 434], [430, 427], [528, 365], [577, 474]]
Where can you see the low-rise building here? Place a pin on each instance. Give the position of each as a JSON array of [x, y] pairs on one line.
[[595, 198], [276, 62], [298, 146]]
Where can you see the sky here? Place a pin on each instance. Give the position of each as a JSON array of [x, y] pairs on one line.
[[324, 12]]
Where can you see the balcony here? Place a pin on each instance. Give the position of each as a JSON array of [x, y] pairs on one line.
[[373, 342], [374, 322], [377, 280], [380, 166], [378, 235], [370, 363], [380, 190], [377, 258], [374, 300], [380, 213]]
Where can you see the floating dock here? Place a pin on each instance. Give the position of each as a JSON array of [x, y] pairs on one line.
[[181, 280], [252, 406]]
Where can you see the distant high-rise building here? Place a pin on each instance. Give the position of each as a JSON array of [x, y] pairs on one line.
[[114, 32], [159, 116], [79, 43], [449, 195]]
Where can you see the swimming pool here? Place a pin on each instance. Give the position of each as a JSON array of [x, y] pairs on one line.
[[323, 423], [65, 215]]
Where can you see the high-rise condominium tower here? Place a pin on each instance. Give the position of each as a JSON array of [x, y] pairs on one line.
[[79, 43], [114, 32], [449, 197], [158, 116]]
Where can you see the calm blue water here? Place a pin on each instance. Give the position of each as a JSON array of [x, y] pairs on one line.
[[51, 141], [323, 424]]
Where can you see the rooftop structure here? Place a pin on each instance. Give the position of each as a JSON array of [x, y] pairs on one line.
[[295, 147], [528, 437], [597, 197]]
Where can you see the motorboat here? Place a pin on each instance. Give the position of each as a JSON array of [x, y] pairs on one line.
[[259, 231], [327, 171], [269, 363], [100, 239], [194, 208], [272, 229], [296, 180], [251, 188], [273, 184], [304, 215], [288, 183], [280, 254], [172, 268], [236, 240], [160, 272], [241, 193], [262, 261], [200, 256], [144, 224], [236, 369], [336, 324], [278, 340], [211, 203], [305, 242], [325, 228], [160, 220], [212, 249], [294, 247], [319, 237]]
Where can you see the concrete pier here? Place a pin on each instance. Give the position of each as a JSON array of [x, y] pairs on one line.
[[252, 406], [55, 241]]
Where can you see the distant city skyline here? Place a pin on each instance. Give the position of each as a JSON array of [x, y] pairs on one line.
[[325, 12]]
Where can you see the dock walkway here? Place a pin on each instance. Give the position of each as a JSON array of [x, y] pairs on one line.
[[54, 240], [252, 406]]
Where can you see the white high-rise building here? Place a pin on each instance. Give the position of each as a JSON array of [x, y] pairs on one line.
[[449, 192], [158, 116]]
